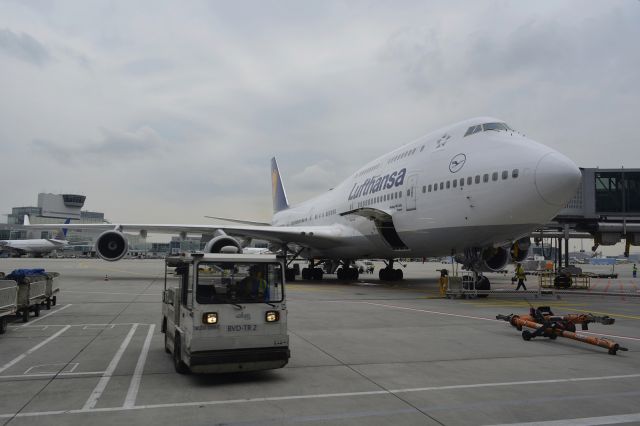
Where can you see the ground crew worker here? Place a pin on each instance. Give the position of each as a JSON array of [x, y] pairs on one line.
[[444, 282], [635, 271], [521, 276]]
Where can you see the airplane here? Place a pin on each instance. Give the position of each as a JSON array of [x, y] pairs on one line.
[[475, 190], [36, 247]]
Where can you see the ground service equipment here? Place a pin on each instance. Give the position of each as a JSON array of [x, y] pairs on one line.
[[225, 313], [546, 324]]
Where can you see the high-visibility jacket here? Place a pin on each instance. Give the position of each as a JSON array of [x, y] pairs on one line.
[[520, 273]]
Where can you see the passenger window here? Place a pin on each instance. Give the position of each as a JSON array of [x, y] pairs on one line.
[[461, 181], [408, 192], [505, 174], [424, 189], [494, 176], [455, 183], [477, 178], [422, 148], [448, 184], [514, 173], [469, 180], [485, 177], [441, 185], [429, 188]]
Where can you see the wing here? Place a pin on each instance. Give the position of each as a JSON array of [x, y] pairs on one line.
[[310, 236]]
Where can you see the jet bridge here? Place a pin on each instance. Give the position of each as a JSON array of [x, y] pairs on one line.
[[606, 208]]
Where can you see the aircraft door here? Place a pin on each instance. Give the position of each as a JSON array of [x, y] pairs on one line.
[[410, 192]]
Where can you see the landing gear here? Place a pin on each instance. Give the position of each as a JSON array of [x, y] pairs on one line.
[[312, 272], [347, 274], [389, 274]]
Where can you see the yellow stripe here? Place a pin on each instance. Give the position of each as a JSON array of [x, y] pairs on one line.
[[614, 315]]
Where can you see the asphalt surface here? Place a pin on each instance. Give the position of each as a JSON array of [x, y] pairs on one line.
[[364, 352]]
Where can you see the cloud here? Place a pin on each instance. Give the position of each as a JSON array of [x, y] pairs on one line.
[[24, 47], [115, 145]]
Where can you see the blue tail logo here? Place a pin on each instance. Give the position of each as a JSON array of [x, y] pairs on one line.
[[62, 234], [278, 194]]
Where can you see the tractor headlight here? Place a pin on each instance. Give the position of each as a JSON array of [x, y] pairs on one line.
[[210, 318], [272, 316]]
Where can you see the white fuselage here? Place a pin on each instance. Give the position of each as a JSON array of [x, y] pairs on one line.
[[32, 246], [505, 186]]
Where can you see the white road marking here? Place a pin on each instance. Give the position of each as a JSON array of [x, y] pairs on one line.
[[53, 367], [430, 312], [33, 349], [585, 421], [480, 318], [85, 325], [104, 380], [46, 375], [321, 396], [44, 316], [132, 393], [114, 293]]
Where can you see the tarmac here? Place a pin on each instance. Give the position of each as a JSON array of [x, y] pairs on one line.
[[363, 352]]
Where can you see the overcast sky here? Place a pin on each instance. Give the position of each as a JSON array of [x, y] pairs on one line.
[[169, 111]]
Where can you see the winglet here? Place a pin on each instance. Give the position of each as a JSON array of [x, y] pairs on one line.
[[278, 193]]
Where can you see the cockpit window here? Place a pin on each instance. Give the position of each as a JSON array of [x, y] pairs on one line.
[[488, 126]]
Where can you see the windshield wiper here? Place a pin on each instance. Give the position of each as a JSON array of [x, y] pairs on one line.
[[270, 304], [236, 305]]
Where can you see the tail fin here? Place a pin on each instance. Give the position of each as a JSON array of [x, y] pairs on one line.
[[26, 221], [278, 194], [62, 233]]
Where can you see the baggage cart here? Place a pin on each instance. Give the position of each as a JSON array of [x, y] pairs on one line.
[[8, 302]]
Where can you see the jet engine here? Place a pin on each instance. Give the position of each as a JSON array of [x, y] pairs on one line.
[[111, 245], [215, 244], [520, 249], [490, 259]]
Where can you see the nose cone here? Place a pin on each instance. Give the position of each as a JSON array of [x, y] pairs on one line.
[[557, 179]]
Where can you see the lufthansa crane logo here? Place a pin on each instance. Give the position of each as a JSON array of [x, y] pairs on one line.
[[457, 162]]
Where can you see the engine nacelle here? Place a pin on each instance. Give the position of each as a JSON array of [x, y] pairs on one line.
[[484, 260], [111, 246], [520, 249], [215, 244]]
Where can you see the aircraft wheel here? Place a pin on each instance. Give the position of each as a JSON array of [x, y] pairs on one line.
[[48, 303], [526, 335], [306, 275], [340, 273], [290, 274], [354, 274], [317, 274], [36, 310], [3, 325], [25, 315], [382, 274], [553, 336], [398, 274], [54, 300]]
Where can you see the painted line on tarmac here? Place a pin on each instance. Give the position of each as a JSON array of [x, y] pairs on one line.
[[584, 421], [430, 312], [113, 293], [132, 393], [44, 316], [87, 325], [49, 375], [104, 380], [635, 317], [322, 396], [33, 349], [490, 319]]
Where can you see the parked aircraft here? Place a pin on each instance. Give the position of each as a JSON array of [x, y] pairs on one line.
[[36, 247], [475, 190]]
